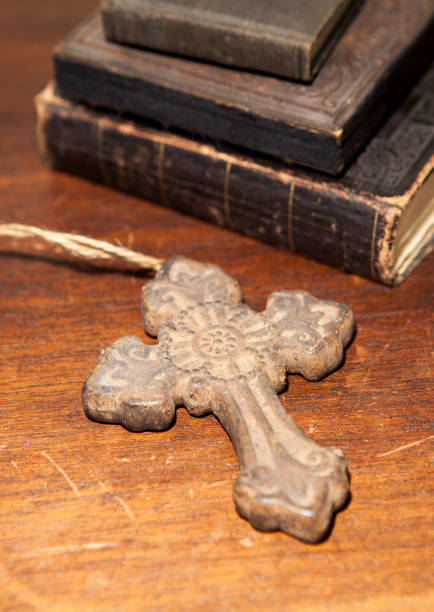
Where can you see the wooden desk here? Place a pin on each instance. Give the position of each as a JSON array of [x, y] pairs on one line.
[[96, 518]]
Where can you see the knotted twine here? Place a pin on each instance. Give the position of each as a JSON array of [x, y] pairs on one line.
[[31, 240]]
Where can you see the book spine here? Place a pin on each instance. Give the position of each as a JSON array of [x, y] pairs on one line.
[[198, 32], [192, 32], [317, 219]]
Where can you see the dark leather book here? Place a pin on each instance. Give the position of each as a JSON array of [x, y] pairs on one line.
[[377, 220], [321, 125], [290, 39]]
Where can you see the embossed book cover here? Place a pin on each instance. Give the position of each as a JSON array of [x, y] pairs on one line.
[[376, 220], [287, 38], [321, 125]]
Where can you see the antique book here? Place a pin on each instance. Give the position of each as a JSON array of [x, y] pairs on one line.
[[320, 125], [376, 220], [289, 39]]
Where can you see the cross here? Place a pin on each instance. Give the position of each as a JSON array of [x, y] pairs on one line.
[[214, 354]]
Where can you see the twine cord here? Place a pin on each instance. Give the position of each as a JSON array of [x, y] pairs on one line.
[[81, 247]]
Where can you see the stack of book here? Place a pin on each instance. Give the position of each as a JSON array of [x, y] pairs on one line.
[[306, 124]]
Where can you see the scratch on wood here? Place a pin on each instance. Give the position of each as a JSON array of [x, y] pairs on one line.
[[124, 505], [61, 471], [405, 446], [119, 500], [374, 361], [247, 542], [15, 465], [226, 194], [69, 548], [290, 211], [216, 484]]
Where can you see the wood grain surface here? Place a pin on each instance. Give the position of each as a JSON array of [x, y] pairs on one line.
[[93, 517]]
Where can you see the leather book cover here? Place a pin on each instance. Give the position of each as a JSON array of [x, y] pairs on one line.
[[321, 125], [289, 39], [376, 220]]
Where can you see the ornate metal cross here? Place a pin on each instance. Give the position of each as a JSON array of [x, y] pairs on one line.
[[214, 354]]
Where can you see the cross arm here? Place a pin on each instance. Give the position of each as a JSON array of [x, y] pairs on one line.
[[130, 386], [311, 333], [181, 283]]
